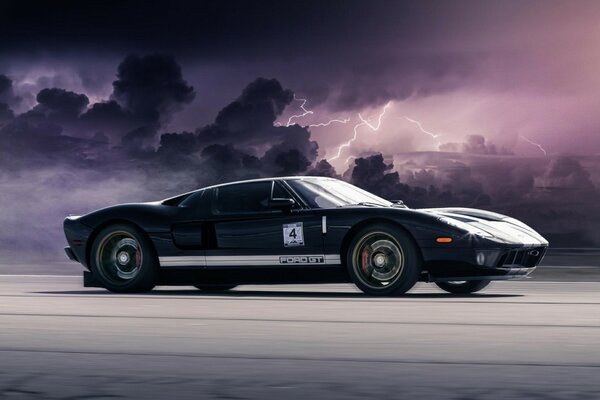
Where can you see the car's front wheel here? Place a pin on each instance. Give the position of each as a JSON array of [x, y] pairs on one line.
[[123, 259], [462, 287], [383, 260]]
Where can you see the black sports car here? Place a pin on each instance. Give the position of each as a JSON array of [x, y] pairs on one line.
[[297, 230]]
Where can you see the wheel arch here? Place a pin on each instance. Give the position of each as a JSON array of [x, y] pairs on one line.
[[372, 221], [105, 224]]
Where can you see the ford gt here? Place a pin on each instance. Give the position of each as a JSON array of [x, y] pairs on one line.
[[297, 230]]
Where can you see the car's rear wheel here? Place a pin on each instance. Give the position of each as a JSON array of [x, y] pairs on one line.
[[462, 287], [215, 287], [383, 260], [123, 259]]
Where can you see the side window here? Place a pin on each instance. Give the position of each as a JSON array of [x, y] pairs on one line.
[[243, 198], [280, 192]]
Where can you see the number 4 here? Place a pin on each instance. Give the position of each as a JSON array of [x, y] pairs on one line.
[[293, 233]]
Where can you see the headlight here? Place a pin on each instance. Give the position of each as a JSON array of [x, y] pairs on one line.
[[486, 258], [464, 226], [480, 258]]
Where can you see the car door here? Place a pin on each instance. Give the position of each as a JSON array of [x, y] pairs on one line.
[[249, 231]]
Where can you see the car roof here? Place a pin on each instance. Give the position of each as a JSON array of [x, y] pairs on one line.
[[279, 178]]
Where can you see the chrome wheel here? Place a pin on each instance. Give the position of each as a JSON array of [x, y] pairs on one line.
[[378, 260], [119, 257]]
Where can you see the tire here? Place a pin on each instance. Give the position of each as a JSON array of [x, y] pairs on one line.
[[215, 288], [462, 287], [124, 260], [383, 260]]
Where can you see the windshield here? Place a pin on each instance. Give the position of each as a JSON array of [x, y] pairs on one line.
[[330, 193]]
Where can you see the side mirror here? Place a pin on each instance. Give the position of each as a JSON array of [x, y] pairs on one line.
[[399, 203], [282, 204]]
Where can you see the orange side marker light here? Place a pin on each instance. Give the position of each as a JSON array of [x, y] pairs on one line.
[[443, 240]]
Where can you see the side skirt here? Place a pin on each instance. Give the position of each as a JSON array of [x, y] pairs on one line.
[[254, 275], [242, 276]]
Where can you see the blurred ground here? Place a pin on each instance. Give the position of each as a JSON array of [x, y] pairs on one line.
[[516, 340]]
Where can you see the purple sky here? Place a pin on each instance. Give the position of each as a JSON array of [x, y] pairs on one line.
[[504, 70], [482, 104]]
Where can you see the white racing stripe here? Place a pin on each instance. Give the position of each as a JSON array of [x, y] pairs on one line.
[[215, 261]]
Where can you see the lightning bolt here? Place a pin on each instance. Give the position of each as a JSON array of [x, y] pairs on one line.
[[331, 121], [306, 112], [363, 122], [376, 127], [349, 158], [539, 146], [433, 135]]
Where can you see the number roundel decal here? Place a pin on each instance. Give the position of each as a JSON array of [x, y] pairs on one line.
[[293, 234]]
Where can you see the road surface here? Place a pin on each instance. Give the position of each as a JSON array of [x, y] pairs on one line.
[[517, 340]]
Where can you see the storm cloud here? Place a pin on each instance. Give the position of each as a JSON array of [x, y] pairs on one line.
[[250, 119], [151, 87], [121, 142], [116, 143], [7, 95], [6, 114], [98, 108], [566, 173], [474, 144], [497, 69]]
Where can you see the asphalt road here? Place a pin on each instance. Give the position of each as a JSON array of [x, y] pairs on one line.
[[517, 340]]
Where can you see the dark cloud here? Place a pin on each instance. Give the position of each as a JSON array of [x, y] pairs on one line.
[[113, 150], [7, 95], [505, 180], [399, 77], [146, 94], [323, 168], [475, 144], [566, 173], [459, 185], [60, 128], [249, 120], [6, 114], [120, 133], [26, 144], [5, 85], [177, 148], [61, 103], [460, 182], [294, 154], [151, 87], [374, 175], [289, 162], [139, 141], [351, 56], [343, 57], [44, 134], [111, 119], [222, 163]]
